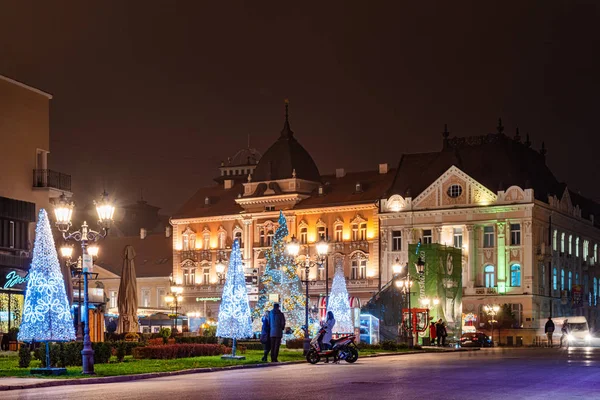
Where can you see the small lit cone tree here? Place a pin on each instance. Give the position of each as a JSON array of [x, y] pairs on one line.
[[234, 312], [281, 278], [46, 313], [339, 304]]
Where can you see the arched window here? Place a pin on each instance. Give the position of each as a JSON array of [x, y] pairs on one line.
[[269, 238], [363, 231], [562, 279], [570, 284], [515, 275], [562, 242], [189, 274], [490, 276], [555, 240], [554, 279], [303, 235], [261, 240], [358, 265], [570, 244], [206, 239], [339, 233]]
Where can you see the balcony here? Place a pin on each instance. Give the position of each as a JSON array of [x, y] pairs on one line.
[[46, 178], [15, 261], [196, 255]]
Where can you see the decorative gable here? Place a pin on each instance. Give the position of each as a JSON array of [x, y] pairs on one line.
[[454, 188]]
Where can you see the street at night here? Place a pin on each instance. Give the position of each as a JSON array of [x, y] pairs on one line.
[[531, 373]]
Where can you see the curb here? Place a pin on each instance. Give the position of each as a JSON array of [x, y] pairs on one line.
[[135, 377]]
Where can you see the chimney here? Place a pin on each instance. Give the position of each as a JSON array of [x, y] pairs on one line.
[[143, 233], [167, 231], [207, 201], [340, 173], [228, 183], [383, 168]]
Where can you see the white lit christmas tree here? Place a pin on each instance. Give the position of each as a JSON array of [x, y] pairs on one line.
[[46, 313], [281, 278], [339, 304], [234, 312]]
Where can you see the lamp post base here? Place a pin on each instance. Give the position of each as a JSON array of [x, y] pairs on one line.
[[87, 359]]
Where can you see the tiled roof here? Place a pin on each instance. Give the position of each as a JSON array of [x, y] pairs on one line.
[[220, 202], [154, 255]]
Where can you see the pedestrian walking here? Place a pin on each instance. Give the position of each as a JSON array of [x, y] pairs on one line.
[[432, 332], [265, 336], [549, 330], [276, 327], [564, 333]]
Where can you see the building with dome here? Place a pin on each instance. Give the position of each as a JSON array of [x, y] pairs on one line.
[[245, 202]]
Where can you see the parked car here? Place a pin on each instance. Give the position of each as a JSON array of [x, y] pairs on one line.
[[476, 339]]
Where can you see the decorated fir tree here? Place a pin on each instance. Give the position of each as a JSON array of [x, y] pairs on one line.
[[234, 312], [281, 278], [46, 313], [339, 304]]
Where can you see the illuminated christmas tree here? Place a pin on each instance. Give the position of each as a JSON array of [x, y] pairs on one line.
[[46, 313], [234, 312], [339, 304], [281, 278]]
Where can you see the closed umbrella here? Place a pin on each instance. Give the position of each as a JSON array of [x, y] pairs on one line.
[[67, 277], [127, 299]]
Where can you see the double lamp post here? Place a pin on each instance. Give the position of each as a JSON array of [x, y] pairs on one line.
[[405, 284], [63, 212], [174, 298]]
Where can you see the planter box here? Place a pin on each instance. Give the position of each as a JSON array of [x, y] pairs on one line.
[[13, 345]]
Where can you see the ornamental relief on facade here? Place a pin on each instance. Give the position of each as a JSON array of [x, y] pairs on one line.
[[488, 255], [515, 254], [453, 198], [428, 202]]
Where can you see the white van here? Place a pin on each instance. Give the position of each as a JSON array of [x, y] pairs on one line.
[[579, 331]]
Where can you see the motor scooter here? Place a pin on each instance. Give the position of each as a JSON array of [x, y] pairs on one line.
[[342, 348]]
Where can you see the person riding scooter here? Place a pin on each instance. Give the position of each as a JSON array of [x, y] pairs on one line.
[[327, 327]]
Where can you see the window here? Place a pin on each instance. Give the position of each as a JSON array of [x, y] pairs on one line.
[[189, 276], [304, 235], [517, 310], [595, 253], [554, 279], [206, 276], [454, 191], [113, 299], [238, 237], [321, 232], [269, 238], [570, 282], [562, 279], [555, 240], [515, 275], [570, 244], [222, 238], [562, 242], [396, 240], [354, 269], [586, 249], [339, 233], [488, 236], [515, 234], [160, 295], [269, 208], [261, 235], [206, 241], [354, 232], [363, 231], [359, 268], [490, 276], [458, 238], [427, 236], [576, 278], [145, 297], [363, 269], [577, 247]]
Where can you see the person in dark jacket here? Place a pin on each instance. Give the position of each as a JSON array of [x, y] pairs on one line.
[[276, 327], [438, 331], [265, 336], [549, 331]]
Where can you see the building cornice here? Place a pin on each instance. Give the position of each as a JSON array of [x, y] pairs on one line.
[[458, 211]]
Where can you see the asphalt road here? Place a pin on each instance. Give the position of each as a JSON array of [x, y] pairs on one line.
[[486, 374]]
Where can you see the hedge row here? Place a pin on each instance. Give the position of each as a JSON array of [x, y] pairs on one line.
[[196, 340], [69, 354], [181, 351]]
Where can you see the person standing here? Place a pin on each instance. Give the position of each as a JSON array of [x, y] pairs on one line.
[[432, 333], [265, 336], [438, 331], [549, 331], [564, 333], [276, 327], [444, 334]]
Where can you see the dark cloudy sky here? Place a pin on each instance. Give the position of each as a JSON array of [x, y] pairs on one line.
[[153, 94]]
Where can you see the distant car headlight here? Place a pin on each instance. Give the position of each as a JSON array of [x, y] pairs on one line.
[[588, 337], [570, 337]]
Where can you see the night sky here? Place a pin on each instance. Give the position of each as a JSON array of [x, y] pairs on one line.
[[152, 95]]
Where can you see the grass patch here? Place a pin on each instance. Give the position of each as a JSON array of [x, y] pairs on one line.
[[9, 364]]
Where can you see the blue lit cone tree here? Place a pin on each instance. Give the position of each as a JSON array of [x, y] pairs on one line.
[[234, 312], [281, 278], [339, 304], [46, 313]]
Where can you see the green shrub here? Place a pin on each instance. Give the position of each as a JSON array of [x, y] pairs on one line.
[[24, 356], [389, 345], [254, 345], [211, 331], [132, 337], [181, 351], [295, 344], [196, 339], [102, 352], [165, 333], [121, 351], [366, 346], [402, 345]]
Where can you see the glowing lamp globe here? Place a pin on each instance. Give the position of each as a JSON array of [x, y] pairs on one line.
[[293, 247], [436, 301], [322, 247], [63, 211], [66, 251], [220, 267], [169, 299], [93, 251], [105, 210], [396, 266]]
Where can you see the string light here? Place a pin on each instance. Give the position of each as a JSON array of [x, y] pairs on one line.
[[234, 312], [46, 313]]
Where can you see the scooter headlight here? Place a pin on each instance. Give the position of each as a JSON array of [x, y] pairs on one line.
[[570, 337]]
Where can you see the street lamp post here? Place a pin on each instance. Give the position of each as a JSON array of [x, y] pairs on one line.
[[174, 298], [220, 267], [405, 285], [293, 249], [63, 212], [492, 311]]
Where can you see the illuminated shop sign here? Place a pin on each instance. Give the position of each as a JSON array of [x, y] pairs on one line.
[[13, 279]]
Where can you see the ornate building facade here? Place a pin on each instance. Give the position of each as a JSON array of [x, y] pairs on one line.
[[526, 239], [245, 205]]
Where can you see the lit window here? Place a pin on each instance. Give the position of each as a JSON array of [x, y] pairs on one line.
[[515, 234], [458, 238], [363, 231], [354, 232], [454, 191], [145, 297], [570, 282], [490, 276], [586, 249], [363, 269], [189, 276], [427, 236], [515, 275], [577, 246], [562, 242], [354, 269], [570, 244], [304, 235], [339, 233], [113, 299], [321, 232], [160, 294], [359, 268], [396, 240], [269, 238], [488, 236], [261, 236], [555, 240], [562, 279], [206, 276], [554, 279]]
